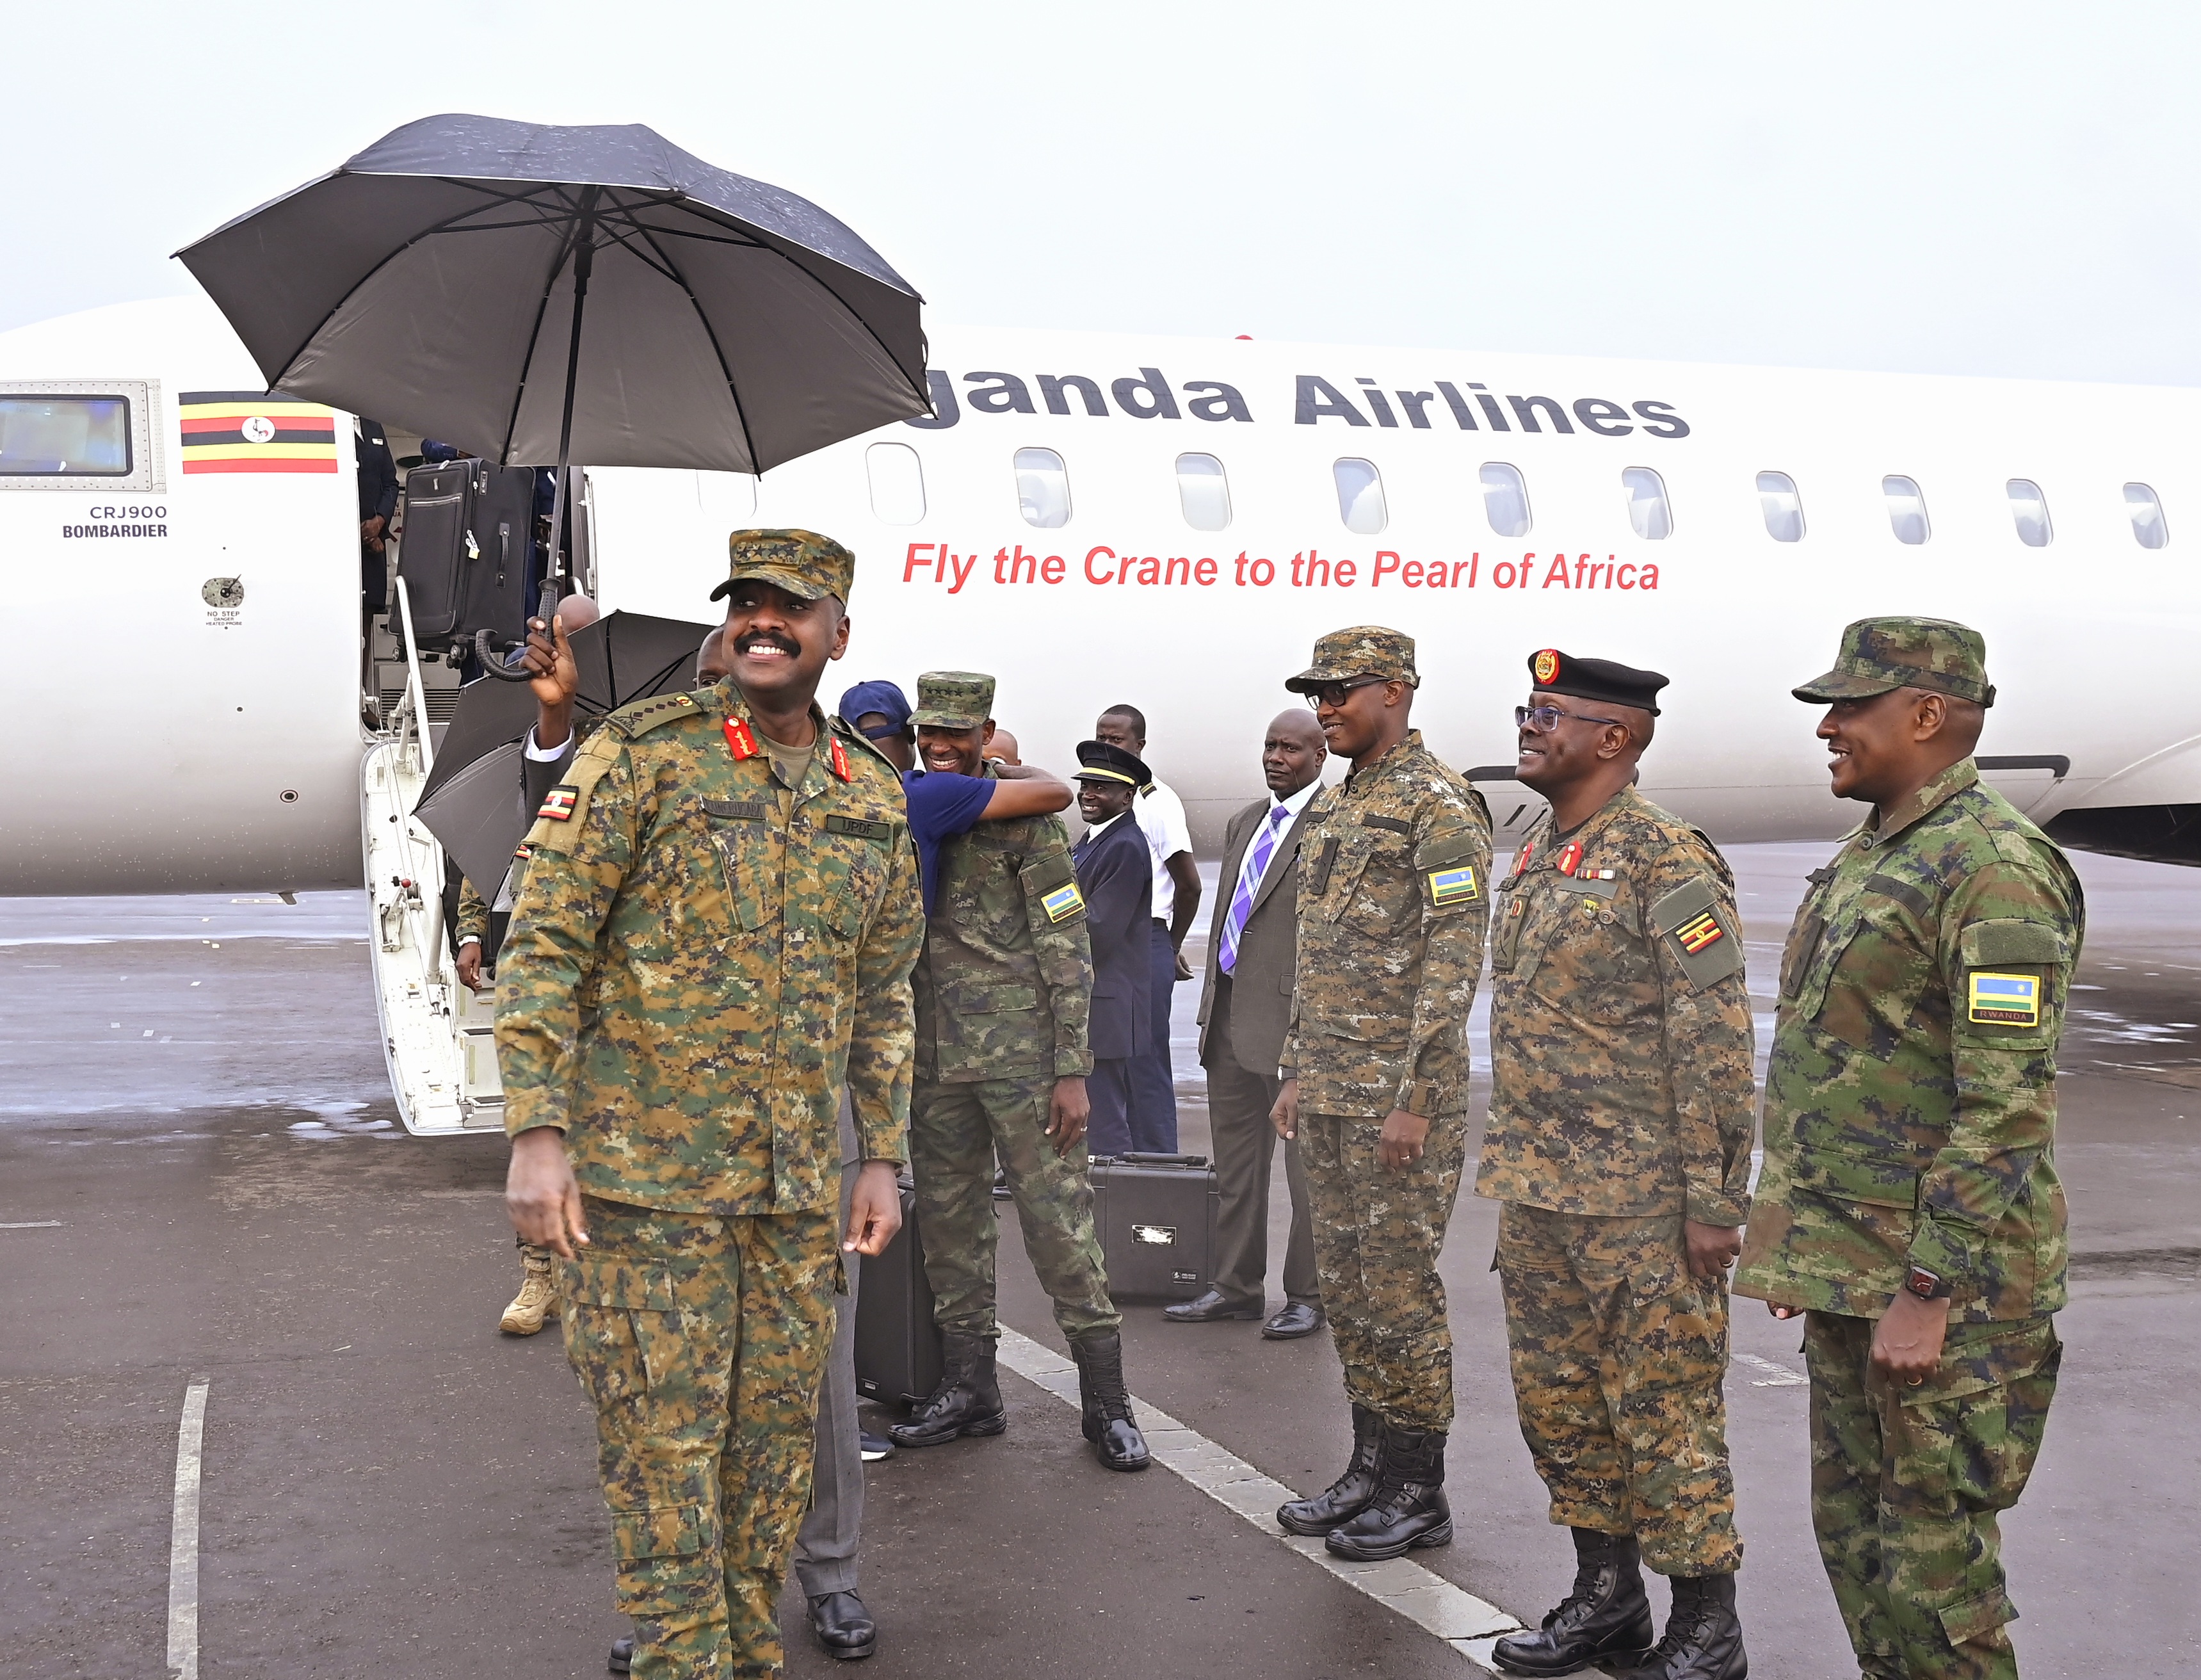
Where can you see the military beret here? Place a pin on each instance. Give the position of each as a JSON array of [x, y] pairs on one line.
[[1614, 684]]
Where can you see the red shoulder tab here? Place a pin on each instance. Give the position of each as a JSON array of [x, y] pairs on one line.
[[841, 760], [738, 738]]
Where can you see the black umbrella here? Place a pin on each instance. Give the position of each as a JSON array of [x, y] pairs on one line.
[[472, 799], [546, 294]]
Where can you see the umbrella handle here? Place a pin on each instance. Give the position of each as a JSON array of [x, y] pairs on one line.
[[484, 649]]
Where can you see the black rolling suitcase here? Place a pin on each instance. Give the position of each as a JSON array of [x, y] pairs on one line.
[[897, 1344], [463, 554], [1155, 1216]]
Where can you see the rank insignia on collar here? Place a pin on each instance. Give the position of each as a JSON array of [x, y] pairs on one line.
[[738, 738], [1521, 863], [558, 804], [840, 761], [1569, 858]]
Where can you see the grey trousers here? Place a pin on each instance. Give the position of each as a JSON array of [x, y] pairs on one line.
[[825, 1545], [1238, 1104]]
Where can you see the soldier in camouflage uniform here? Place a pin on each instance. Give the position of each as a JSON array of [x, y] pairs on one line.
[[1392, 899], [1909, 1206], [715, 938], [1003, 991], [1619, 1140]]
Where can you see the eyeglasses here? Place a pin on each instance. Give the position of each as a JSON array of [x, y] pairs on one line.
[[1546, 719], [1332, 694]]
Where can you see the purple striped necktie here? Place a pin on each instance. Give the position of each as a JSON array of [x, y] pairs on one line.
[[1249, 883]]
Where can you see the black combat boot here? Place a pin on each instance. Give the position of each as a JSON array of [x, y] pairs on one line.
[[1409, 1509], [1605, 1618], [1703, 1636], [1346, 1497], [967, 1402], [1106, 1404]]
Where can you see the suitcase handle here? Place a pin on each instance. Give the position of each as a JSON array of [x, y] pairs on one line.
[[1141, 1159]]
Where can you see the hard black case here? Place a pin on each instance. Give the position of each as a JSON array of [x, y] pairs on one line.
[[897, 1344], [1155, 1216]]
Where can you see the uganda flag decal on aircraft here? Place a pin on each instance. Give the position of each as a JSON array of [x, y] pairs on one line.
[[256, 431]]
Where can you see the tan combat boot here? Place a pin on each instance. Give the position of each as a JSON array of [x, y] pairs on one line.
[[537, 1299]]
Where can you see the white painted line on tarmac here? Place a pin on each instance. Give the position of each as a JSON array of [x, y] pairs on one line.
[[1776, 1376], [29, 1225], [1423, 1597], [184, 1540]]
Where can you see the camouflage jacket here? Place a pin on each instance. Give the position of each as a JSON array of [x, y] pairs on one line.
[[1005, 987], [1910, 1101], [473, 914], [1620, 1035], [1393, 899], [701, 958]]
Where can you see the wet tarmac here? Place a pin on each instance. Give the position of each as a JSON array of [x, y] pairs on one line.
[[201, 1178]]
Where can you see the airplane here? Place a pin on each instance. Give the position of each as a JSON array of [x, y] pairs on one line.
[[1096, 518]]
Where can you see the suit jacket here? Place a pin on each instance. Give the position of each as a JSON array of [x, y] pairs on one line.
[[1268, 950], [1116, 874]]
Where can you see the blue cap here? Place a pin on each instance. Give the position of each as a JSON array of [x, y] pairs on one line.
[[884, 698]]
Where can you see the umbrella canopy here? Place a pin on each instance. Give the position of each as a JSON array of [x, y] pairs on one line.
[[542, 294], [473, 799]]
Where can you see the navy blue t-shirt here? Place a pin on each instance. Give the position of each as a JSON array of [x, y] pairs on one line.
[[941, 805]]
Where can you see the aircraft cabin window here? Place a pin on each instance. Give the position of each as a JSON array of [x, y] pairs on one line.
[[1043, 488], [1360, 496], [2029, 507], [1782, 507], [1906, 509], [64, 436], [1203, 492], [897, 483], [1646, 505], [2149, 529], [1505, 499]]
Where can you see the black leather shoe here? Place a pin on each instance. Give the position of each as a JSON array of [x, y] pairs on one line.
[[622, 1658], [1296, 1319], [1346, 1497], [1105, 1403], [1605, 1617], [1207, 1308], [1409, 1512], [1703, 1636], [843, 1626], [967, 1401], [873, 1448]]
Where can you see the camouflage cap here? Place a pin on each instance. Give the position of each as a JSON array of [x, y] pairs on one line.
[[1365, 650], [1881, 654], [802, 562], [952, 700]]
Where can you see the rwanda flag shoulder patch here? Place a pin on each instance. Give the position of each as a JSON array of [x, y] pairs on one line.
[[1064, 902], [2004, 999], [1456, 885]]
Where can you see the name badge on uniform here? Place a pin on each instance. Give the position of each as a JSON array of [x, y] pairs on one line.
[[558, 804], [2006, 1000], [1064, 902], [1453, 886]]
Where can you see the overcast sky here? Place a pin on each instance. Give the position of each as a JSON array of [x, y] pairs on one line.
[[1942, 187]]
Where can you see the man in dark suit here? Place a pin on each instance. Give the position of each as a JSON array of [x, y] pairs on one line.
[[1116, 875], [1244, 1009], [378, 500]]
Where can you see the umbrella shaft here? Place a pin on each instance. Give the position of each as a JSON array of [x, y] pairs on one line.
[[584, 259]]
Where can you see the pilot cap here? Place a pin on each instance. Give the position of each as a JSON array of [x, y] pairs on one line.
[[953, 700], [804, 564], [1617, 685], [1098, 761], [1365, 650], [1880, 654]]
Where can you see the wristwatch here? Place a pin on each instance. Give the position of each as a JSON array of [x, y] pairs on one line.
[[1926, 1285]]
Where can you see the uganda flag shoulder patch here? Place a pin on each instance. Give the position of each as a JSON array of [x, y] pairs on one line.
[[1453, 886], [1699, 933], [558, 804], [2004, 999], [256, 431], [1064, 902]]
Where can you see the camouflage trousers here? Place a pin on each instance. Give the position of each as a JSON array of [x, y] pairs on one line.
[[956, 1132], [1377, 1235], [1908, 1485], [1617, 1354], [701, 1342]]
